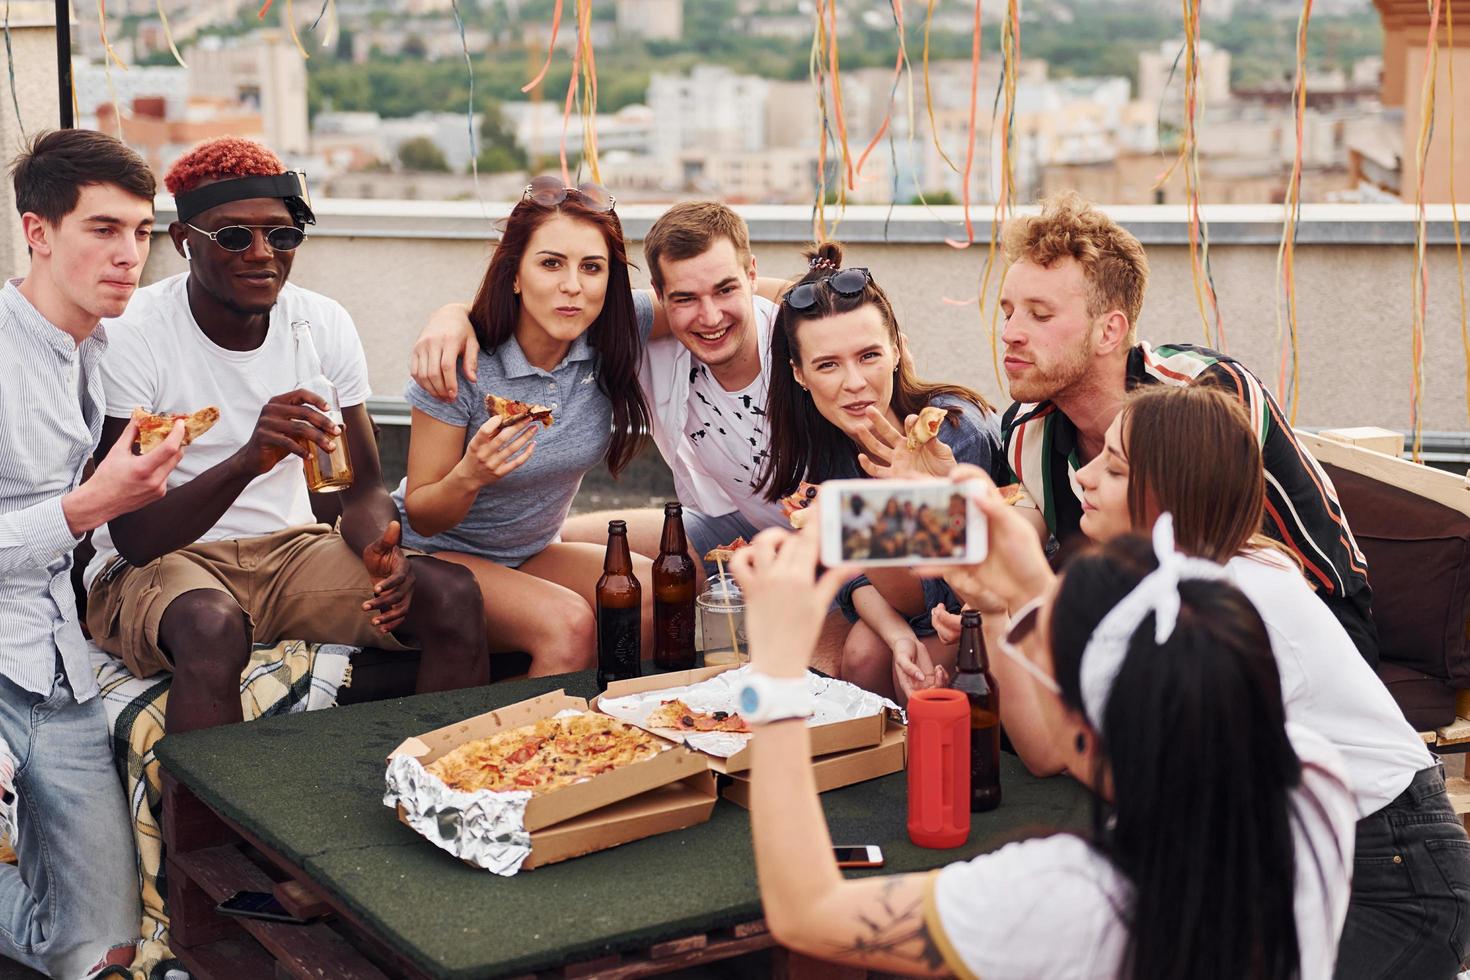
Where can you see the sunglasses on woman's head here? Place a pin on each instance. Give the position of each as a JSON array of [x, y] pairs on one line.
[[239, 238], [548, 192], [845, 282], [1023, 625]]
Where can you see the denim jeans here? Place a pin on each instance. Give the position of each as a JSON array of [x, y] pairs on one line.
[[1409, 915], [73, 895]]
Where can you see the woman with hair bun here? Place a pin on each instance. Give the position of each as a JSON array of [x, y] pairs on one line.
[[841, 412]]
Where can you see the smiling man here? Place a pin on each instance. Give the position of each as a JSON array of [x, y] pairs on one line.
[[706, 382], [232, 553], [1072, 297]]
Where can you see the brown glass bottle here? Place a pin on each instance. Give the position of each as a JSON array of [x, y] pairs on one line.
[[619, 611], [673, 596], [973, 677]]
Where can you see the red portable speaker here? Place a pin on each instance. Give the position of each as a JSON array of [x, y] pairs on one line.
[[939, 768]]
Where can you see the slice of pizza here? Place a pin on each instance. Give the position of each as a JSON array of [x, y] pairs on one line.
[[677, 715], [926, 426], [1012, 493], [512, 410], [153, 428], [726, 551], [793, 505]]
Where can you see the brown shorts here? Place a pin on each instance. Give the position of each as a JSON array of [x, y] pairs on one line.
[[301, 583]]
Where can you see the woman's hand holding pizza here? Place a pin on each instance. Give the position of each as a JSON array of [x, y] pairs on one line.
[[496, 451], [286, 424], [893, 455]]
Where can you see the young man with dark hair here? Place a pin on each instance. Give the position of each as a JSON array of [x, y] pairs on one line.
[[233, 553], [70, 906], [1071, 297]]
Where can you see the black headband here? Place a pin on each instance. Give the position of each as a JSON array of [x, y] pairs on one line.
[[290, 187]]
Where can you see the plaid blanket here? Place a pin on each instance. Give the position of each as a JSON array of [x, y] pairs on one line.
[[286, 678]]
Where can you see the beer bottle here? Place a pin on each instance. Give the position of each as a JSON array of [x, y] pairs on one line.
[[673, 596], [619, 611], [326, 472], [973, 677]]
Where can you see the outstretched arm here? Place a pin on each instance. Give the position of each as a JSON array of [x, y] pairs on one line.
[[876, 922]]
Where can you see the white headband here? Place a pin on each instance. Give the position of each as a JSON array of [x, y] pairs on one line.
[[1158, 593]]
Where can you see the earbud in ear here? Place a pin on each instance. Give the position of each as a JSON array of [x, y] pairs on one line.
[[1081, 743], [187, 257]]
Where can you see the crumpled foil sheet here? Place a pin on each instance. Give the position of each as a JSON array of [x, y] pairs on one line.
[[833, 701], [484, 828]]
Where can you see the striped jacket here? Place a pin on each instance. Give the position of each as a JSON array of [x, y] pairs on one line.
[[1302, 508]]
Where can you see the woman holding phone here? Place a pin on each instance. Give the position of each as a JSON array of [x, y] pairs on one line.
[[841, 411], [558, 326], [1410, 909], [1222, 835]]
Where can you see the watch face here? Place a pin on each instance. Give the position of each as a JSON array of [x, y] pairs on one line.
[[750, 699]]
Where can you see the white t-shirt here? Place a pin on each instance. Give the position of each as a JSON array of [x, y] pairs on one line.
[[1057, 908], [157, 357], [710, 470], [726, 429], [1326, 684]]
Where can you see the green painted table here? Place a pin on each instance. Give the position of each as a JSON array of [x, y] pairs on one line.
[[306, 791]]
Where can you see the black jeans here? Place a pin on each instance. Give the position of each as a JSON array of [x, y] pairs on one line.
[[1409, 915]]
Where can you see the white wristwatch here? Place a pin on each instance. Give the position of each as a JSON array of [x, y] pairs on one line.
[[763, 698]]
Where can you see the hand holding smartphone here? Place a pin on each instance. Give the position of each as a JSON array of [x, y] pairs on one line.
[[901, 523]]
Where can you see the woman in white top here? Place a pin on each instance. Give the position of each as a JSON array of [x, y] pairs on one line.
[[1409, 915], [1222, 840]]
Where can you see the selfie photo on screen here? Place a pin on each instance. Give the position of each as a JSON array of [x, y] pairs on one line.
[[880, 522]]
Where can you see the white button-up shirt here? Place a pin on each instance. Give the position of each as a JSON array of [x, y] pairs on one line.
[[50, 423]]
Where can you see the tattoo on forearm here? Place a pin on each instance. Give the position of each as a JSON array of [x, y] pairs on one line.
[[897, 930]]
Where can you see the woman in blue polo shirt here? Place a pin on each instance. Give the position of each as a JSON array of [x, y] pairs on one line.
[[560, 326]]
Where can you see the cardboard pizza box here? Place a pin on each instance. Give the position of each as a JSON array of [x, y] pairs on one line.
[[686, 803], [670, 766], [843, 768], [838, 736]]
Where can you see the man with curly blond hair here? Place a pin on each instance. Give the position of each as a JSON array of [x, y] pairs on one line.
[[233, 552], [1072, 296]]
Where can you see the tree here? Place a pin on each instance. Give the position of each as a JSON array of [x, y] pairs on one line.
[[499, 151], [420, 154], [414, 47]]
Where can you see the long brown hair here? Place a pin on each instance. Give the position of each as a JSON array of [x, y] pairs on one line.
[[804, 445], [1191, 451], [613, 335]]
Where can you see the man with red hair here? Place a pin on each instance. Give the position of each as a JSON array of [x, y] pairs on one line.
[[233, 552]]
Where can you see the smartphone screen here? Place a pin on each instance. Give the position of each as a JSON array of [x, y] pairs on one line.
[[900, 522], [861, 856], [256, 905]]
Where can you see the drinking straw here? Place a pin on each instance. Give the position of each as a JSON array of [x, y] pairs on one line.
[[729, 620]]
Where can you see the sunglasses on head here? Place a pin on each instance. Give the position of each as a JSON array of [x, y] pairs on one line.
[[548, 192], [845, 282], [1023, 625], [239, 238]]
